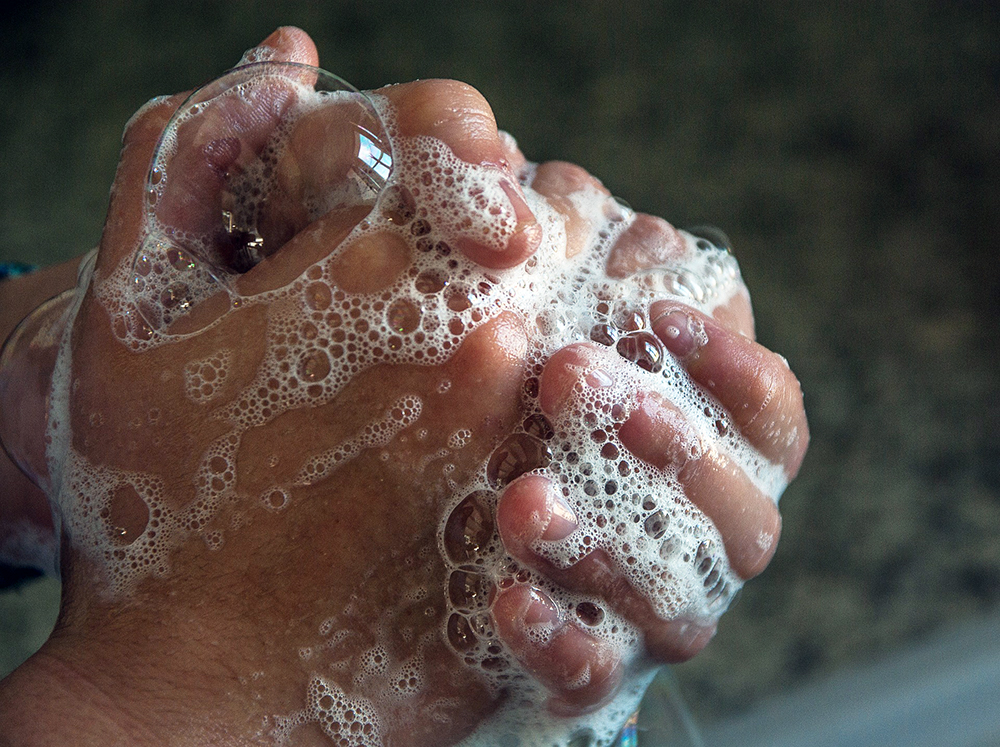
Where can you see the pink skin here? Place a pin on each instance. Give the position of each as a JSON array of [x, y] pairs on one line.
[[469, 128], [762, 396], [21, 501], [492, 354], [208, 152]]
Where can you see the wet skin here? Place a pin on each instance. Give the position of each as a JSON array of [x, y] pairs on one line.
[[181, 653]]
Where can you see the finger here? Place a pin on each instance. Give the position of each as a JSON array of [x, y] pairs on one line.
[[648, 243], [285, 44], [559, 182], [512, 154], [737, 314], [126, 213], [459, 116], [125, 224], [755, 385], [748, 520], [580, 670], [651, 243], [531, 510], [484, 377], [208, 179], [661, 435], [563, 371]]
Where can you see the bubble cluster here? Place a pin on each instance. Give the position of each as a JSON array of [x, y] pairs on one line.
[[403, 413], [346, 720], [323, 330], [99, 507], [204, 378]]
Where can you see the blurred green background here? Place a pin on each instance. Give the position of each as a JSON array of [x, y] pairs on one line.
[[851, 151]]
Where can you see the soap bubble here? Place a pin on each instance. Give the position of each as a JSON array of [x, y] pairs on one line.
[[715, 237], [246, 163]]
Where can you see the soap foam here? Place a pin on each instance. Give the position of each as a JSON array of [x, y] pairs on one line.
[[319, 337]]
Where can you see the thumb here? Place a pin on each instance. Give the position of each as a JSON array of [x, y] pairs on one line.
[[125, 225]]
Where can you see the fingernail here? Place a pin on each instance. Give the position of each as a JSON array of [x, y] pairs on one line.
[[540, 610], [599, 378], [517, 245], [680, 333], [527, 236], [526, 221], [562, 520]]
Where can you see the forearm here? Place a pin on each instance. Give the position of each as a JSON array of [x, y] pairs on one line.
[[25, 516]]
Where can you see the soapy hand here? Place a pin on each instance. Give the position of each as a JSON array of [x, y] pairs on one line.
[[760, 399], [265, 463], [181, 462]]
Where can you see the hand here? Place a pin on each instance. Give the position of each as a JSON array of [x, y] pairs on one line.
[[762, 400], [140, 485], [188, 519]]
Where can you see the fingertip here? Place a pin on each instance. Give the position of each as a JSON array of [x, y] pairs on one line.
[[145, 127], [527, 235], [521, 606], [590, 671], [493, 352], [580, 363], [561, 179], [648, 242], [521, 513], [510, 248], [520, 245], [526, 620], [677, 641], [737, 314], [751, 553], [560, 182], [451, 111], [681, 329], [579, 670], [284, 44], [459, 116], [747, 519], [529, 510]]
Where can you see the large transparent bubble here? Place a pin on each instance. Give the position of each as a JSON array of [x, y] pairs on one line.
[[245, 165]]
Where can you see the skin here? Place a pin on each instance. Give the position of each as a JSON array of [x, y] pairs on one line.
[[175, 662], [23, 507]]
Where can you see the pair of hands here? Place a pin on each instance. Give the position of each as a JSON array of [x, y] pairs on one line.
[[349, 536]]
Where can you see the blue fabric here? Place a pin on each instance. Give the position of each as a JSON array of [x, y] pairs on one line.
[[13, 269]]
